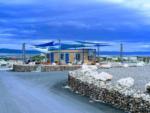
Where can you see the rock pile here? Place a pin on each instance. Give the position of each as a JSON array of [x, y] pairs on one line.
[[44, 68], [88, 82]]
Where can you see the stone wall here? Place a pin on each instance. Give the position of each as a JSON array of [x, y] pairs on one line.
[[24, 68], [133, 102], [59, 68], [44, 68]]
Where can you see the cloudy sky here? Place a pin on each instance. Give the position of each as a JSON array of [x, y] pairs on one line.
[[112, 21]]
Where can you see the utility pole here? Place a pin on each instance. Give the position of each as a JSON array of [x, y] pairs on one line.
[[23, 53], [83, 56], [121, 53], [98, 49], [59, 41], [95, 55]]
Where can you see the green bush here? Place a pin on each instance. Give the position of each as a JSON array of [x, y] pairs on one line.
[[38, 58]]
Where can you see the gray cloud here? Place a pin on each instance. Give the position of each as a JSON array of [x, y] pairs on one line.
[[30, 20]]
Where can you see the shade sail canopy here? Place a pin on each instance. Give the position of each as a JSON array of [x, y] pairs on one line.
[[43, 50], [46, 44], [93, 43], [64, 46], [50, 46]]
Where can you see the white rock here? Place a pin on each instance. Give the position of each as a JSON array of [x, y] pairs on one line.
[[93, 67], [66, 87], [88, 67], [125, 65], [140, 64], [137, 95], [145, 97], [84, 66], [126, 82], [128, 92], [90, 73], [106, 65], [116, 64], [103, 76], [97, 64], [69, 64], [32, 63], [54, 64], [147, 87]]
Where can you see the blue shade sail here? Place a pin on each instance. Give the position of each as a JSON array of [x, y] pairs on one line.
[[46, 44], [71, 46], [94, 43], [61, 46], [64, 46]]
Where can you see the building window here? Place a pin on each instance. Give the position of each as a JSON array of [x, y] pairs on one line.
[[67, 57], [62, 56], [78, 57], [91, 54]]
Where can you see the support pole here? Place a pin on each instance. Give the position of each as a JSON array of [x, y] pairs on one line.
[[59, 51], [98, 48], [75, 54], [95, 55], [121, 53], [23, 53], [83, 56]]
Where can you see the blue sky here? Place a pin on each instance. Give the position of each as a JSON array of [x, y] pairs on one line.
[[112, 21]]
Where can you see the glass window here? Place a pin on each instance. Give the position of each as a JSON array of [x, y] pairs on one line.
[[62, 56], [91, 54], [78, 56]]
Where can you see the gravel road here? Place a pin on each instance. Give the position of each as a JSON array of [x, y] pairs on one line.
[[141, 75], [43, 93]]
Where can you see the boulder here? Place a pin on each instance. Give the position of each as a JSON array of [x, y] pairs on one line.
[[54, 64], [103, 76], [88, 67], [141, 64], [125, 65], [69, 64], [147, 87], [106, 65], [97, 64], [125, 82]]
